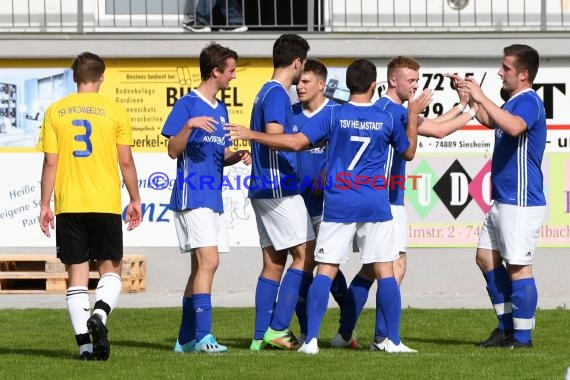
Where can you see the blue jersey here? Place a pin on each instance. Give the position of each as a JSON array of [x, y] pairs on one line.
[[199, 168], [395, 164], [273, 172], [311, 163], [516, 174], [358, 138]]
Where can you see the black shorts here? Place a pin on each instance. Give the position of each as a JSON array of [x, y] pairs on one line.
[[81, 237]]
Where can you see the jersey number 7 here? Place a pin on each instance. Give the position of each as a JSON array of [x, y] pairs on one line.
[[365, 141]]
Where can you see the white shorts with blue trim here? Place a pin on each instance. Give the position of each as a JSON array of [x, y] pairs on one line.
[[375, 242], [201, 227], [513, 231], [282, 222]]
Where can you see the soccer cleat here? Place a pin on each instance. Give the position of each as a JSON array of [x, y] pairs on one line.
[[512, 343], [310, 347], [196, 28], [496, 338], [86, 356], [301, 339], [281, 339], [381, 346], [209, 345], [257, 345], [401, 348], [186, 347], [388, 346], [338, 342], [98, 331]]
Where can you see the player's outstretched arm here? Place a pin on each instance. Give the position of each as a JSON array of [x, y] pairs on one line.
[[291, 142], [459, 108], [511, 124], [471, 87], [429, 128], [47, 184], [129, 172], [177, 144], [481, 115]]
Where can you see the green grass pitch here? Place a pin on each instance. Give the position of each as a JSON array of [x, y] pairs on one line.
[[40, 344]]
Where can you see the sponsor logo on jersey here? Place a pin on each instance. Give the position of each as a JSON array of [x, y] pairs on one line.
[[221, 140]]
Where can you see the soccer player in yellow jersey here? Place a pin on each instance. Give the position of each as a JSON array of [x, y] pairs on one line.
[[83, 136]]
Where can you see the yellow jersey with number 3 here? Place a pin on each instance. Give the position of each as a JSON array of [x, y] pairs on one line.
[[83, 129]]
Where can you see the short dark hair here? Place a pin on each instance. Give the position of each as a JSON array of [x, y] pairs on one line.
[[316, 67], [214, 56], [287, 48], [360, 75], [87, 68], [526, 58]]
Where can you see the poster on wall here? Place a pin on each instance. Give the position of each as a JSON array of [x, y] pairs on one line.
[[149, 89], [146, 88], [25, 94]]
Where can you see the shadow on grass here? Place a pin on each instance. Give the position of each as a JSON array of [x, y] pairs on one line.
[[167, 345], [27, 351], [235, 342], [442, 342]]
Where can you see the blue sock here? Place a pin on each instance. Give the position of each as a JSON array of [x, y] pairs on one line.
[[317, 304], [524, 299], [203, 307], [187, 330], [499, 290], [301, 308], [287, 299], [339, 289], [389, 303], [380, 328], [354, 301], [265, 295]]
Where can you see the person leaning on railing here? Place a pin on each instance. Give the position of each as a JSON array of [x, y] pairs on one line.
[[200, 20]]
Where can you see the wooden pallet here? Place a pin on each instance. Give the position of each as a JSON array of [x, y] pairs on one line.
[[46, 274]]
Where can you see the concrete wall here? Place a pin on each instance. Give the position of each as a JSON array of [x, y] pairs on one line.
[[324, 45]]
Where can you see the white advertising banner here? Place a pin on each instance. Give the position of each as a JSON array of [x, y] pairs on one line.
[[445, 204], [20, 198]]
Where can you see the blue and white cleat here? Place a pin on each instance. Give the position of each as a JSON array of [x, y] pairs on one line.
[[186, 347], [209, 345]]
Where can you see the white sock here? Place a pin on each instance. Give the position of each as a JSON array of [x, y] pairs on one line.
[[107, 294], [78, 308], [86, 347]]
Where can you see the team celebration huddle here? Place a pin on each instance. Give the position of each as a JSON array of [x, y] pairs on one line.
[[316, 141]]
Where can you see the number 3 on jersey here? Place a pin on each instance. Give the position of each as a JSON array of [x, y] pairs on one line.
[[365, 141], [84, 138]]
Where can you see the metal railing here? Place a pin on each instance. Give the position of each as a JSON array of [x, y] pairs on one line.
[[446, 15], [167, 16]]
